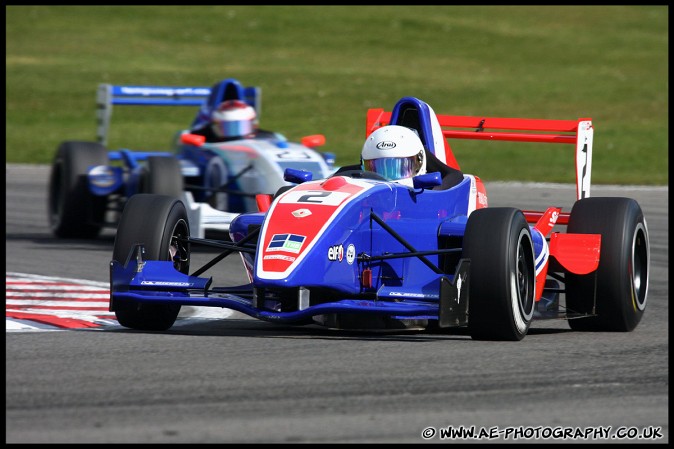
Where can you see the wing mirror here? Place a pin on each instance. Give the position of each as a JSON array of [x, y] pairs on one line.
[[192, 139], [427, 181], [313, 141], [297, 176]]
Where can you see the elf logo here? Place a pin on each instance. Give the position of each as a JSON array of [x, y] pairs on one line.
[[336, 253]]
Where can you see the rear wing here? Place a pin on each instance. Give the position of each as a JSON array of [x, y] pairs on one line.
[[573, 132], [109, 95]]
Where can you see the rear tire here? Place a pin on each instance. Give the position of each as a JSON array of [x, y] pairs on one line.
[[624, 262], [163, 177], [216, 177], [157, 221], [502, 285], [73, 211]]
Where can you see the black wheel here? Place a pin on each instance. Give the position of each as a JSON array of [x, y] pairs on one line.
[[163, 177], [215, 177], [73, 211], [502, 274], [159, 222], [624, 259]]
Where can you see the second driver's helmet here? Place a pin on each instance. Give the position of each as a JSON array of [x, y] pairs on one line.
[[233, 119], [395, 153]]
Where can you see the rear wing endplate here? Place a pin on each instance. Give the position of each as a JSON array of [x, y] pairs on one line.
[[109, 95], [574, 132]]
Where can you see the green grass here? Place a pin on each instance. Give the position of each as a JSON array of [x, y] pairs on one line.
[[321, 67]]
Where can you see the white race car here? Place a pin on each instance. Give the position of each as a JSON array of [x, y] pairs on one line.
[[89, 185]]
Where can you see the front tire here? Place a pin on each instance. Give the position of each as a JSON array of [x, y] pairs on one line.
[[624, 262], [159, 222], [73, 211], [502, 286]]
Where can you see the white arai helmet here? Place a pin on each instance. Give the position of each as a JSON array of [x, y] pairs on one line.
[[233, 119], [395, 153]]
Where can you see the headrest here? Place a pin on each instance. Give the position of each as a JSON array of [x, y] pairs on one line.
[[416, 114], [228, 89]]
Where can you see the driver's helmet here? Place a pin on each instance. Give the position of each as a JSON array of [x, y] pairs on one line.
[[395, 153], [232, 119]]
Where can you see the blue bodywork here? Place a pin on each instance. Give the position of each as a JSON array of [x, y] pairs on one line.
[[122, 176], [403, 285]]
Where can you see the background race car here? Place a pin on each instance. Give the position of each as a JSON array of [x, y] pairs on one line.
[[90, 185], [357, 251]]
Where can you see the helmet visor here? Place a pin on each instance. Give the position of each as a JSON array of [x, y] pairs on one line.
[[394, 168], [233, 128]]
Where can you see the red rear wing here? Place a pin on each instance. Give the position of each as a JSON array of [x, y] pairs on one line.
[[575, 132]]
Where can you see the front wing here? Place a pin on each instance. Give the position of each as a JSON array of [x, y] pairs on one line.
[[158, 282]]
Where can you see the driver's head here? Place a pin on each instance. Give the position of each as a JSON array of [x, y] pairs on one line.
[[233, 119], [395, 153]]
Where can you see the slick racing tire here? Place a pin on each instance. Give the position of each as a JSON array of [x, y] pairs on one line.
[[157, 221], [502, 289], [216, 177], [163, 177], [624, 262], [73, 211]]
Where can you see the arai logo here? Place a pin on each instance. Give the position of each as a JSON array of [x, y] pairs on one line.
[[386, 145]]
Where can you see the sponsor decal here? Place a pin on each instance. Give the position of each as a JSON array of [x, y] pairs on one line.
[[336, 253], [280, 257], [167, 91], [459, 283], [553, 218], [350, 254], [410, 295], [167, 283], [386, 145], [286, 242], [300, 213], [102, 176], [293, 154], [322, 197]]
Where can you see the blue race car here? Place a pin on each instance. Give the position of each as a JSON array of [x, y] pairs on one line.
[[89, 185], [356, 251]]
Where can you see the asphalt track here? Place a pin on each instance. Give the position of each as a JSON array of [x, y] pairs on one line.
[[239, 380]]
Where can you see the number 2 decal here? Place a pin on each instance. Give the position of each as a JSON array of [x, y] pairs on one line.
[[314, 197], [292, 155]]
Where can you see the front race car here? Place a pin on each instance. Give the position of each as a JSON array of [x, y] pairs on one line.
[[354, 251], [326, 250]]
